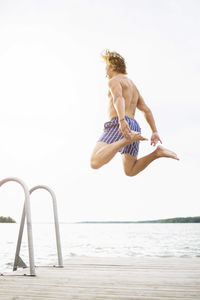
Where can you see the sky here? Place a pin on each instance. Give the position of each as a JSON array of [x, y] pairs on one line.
[[54, 103]]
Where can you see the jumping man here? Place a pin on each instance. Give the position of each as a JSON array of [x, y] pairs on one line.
[[122, 132]]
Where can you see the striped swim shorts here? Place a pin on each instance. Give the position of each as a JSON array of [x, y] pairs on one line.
[[111, 134]]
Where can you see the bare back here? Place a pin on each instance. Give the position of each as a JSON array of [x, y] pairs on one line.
[[129, 93]]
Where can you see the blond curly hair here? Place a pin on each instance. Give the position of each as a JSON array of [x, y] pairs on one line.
[[115, 60]]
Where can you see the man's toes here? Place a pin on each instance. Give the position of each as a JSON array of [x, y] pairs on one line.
[[143, 138]]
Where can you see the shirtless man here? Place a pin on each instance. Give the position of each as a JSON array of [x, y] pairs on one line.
[[122, 132]]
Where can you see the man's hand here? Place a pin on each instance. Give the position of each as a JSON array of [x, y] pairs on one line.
[[124, 129], [155, 138]]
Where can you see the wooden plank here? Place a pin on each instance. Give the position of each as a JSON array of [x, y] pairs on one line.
[[93, 278]]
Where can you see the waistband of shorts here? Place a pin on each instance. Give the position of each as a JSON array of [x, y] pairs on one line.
[[116, 120]]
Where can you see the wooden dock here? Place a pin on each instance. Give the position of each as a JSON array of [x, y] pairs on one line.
[[93, 278]]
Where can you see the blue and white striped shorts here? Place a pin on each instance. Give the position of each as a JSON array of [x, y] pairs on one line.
[[111, 135]]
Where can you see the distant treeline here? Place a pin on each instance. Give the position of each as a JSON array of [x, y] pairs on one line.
[[172, 220], [6, 220]]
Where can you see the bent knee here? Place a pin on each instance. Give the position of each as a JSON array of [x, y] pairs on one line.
[[94, 164], [129, 172]]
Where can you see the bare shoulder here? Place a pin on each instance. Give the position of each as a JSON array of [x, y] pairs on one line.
[[113, 81], [120, 81], [127, 81]]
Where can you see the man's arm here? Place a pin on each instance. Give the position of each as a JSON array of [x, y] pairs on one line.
[[119, 105], [118, 100], [141, 105]]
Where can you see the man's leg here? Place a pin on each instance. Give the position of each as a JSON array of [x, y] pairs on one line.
[[132, 165], [104, 152]]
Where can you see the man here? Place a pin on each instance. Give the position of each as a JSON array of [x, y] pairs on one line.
[[122, 132]]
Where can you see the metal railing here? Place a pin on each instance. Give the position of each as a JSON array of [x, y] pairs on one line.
[[27, 213], [18, 262]]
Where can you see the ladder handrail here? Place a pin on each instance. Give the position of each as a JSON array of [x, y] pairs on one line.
[[55, 210], [18, 261], [27, 212]]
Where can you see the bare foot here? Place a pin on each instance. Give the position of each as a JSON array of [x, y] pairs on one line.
[[135, 136], [163, 152]]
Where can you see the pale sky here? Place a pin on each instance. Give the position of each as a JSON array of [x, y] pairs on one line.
[[54, 104]]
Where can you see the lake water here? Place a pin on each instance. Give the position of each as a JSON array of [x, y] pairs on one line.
[[109, 240]]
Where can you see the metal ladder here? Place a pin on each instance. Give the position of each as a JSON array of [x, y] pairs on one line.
[[18, 262]]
